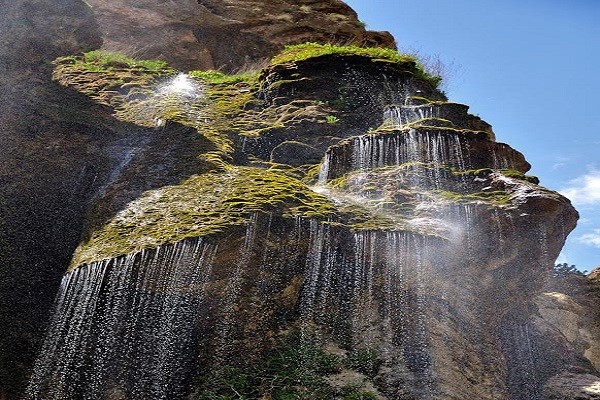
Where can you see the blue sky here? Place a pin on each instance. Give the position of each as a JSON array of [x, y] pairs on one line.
[[531, 69]]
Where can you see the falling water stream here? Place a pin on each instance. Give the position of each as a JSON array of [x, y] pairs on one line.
[[121, 324]]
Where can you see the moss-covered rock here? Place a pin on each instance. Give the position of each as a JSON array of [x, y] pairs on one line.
[[296, 53], [229, 148], [202, 205]]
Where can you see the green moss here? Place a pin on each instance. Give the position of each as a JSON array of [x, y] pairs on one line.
[[202, 205], [217, 77], [473, 172], [429, 122], [419, 100], [300, 52], [511, 173], [109, 78], [312, 174], [131, 88], [495, 197], [100, 60], [340, 183], [305, 51]]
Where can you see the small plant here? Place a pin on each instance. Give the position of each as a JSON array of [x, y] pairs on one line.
[[365, 361], [332, 119], [340, 102], [355, 391], [227, 383]]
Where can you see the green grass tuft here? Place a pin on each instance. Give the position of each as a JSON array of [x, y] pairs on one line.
[[100, 60], [304, 51], [217, 77], [332, 119]]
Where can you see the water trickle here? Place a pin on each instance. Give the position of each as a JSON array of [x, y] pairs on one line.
[[324, 170], [182, 86], [316, 266], [523, 382], [233, 290], [379, 293], [503, 157], [364, 308], [179, 97], [434, 148], [400, 116]]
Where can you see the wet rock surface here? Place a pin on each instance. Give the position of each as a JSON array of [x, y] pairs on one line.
[[413, 263]]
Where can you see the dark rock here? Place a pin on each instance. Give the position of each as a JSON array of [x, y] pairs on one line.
[[295, 154]]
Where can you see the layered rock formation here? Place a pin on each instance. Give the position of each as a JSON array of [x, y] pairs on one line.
[[328, 226]]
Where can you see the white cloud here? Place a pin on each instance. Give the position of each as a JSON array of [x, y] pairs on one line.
[[590, 239], [584, 190], [560, 162]]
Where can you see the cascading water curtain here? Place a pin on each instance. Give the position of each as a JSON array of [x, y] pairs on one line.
[[125, 325]]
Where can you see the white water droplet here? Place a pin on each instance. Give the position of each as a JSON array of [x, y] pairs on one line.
[[182, 85]]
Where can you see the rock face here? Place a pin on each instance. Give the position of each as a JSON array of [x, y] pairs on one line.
[[42, 172], [227, 35], [573, 386], [326, 227]]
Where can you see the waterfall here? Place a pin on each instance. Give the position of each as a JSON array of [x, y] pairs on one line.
[[324, 170], [318, 262], [434, 149], [522, 356], [379, 291], [438, 148], [125, 325]]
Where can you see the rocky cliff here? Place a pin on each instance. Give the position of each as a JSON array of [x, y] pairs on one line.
[[323, 224], [226, 35]]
